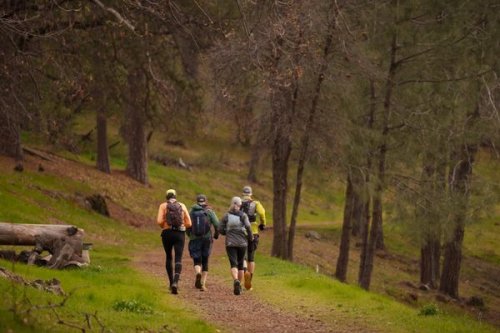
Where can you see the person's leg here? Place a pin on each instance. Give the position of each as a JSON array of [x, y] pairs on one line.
[[179, 238], [195, 252], [167, 246], [204, 272], [252, 246], [241, 257], [205, 253], [232, 253]]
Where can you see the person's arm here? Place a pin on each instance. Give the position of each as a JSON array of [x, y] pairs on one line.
[[160, 219], [215, 222], [187, 218], [262, 214], [222, 225], [248, 227]]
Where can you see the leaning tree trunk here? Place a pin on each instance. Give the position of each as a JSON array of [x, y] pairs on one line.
[[102, 141], [460, 189], [378, 197], [304, 147], [135, 128]]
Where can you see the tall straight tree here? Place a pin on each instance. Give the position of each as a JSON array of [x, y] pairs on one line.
[[333, 14]]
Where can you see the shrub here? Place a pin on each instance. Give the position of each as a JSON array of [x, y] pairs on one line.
[[429, 310], [132, 306]]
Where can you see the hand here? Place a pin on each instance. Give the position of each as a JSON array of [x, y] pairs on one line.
[[262, 227], [216, 235]]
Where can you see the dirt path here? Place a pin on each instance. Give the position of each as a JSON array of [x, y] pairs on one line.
[[244, 313]]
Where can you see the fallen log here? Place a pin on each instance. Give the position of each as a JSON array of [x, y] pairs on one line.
[[63, 242], [37, 154]]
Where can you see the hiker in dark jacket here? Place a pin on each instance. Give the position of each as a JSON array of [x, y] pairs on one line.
[[173, 218], [236, 227], [201, 238]]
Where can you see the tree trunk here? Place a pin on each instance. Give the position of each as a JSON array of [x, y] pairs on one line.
[[259, 140], [282, 119], [64, 242], [357, 217], [10, 136], [135, 129], [429, 222], [365, 222], [343, 259], [102, 141], [460, 181], [304, 147]]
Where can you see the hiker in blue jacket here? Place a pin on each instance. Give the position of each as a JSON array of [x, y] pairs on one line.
[[201, 238]]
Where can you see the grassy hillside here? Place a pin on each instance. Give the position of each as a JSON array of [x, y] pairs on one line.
[[125, 299]]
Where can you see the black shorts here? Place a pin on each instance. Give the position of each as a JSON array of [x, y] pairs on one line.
[[252, 247], [200, 247], [236, 256]]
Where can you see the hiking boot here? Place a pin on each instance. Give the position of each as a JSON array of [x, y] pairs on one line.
[[237, 287], [203, 288], [174, 288], [175, 285], [248, 280], [197, 283]]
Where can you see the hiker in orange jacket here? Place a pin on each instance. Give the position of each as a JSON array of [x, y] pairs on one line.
[[173, 218]]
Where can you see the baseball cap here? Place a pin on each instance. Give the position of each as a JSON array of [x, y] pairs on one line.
[[247, 190], [171, 193], [201, 199]]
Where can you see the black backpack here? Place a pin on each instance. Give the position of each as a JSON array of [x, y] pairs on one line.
[[200, 224], [249, 207], [174, 214]]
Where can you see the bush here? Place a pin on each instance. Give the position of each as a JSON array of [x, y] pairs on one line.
[[429, 310]]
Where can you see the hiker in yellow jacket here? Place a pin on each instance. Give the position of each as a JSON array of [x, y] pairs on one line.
[[252, 208], [173, 218]]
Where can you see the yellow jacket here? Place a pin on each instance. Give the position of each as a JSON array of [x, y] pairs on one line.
[[161, 219], [261, 212]]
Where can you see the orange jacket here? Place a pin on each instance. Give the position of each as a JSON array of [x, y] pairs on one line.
[[161, 220]]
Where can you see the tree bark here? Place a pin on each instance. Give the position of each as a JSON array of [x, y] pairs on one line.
[[102, 141], [258, 144], [281, 148], [135, 128], [343, 259], [460, 180], [429, 221], [10, 136]]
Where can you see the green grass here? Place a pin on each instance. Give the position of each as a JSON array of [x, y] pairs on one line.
[[96, 289], [300, 289]]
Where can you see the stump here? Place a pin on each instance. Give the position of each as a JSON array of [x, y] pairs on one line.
[[63, 242]]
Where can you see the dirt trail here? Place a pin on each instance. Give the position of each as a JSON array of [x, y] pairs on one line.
[[218, 305]]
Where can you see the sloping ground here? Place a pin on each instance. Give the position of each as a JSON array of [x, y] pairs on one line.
[[248, 312], [397, 275]]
